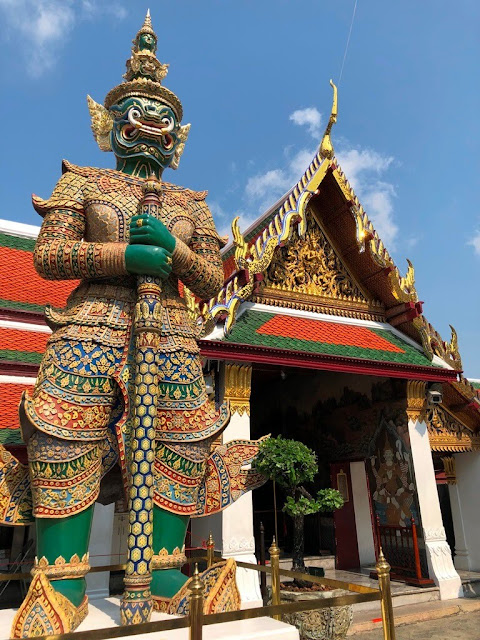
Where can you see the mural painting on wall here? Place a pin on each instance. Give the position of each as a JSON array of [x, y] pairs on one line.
[[390, 475]]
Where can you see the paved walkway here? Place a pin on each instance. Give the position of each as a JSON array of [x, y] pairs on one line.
[[459, 627], [442, 620]]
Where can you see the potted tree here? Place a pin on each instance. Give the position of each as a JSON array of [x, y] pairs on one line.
[[290, 464]]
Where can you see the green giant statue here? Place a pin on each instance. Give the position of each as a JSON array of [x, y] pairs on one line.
[[121, 382]]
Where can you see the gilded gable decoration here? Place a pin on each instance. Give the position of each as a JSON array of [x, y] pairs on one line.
[[309, 264], [447, 433]]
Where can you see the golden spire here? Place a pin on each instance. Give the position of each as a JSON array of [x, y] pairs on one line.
[[326, 147], [147, 26], [145, 72]]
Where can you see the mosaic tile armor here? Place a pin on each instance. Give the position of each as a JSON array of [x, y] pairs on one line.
[[84, 388]]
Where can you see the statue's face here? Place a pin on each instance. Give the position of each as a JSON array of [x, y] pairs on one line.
[[147, 41], [144, 128]]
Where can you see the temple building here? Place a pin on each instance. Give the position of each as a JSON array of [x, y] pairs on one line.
[[315, 336]]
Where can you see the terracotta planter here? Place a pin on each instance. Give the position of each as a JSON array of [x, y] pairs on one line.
[[330, 623]]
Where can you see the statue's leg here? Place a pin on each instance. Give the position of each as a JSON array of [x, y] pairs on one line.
[[65, 480], [65, 537], [169, 530]]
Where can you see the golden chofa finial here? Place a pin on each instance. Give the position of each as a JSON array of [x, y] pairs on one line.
[[326, 147]]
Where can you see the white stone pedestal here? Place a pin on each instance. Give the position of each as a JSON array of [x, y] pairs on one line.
[[105, 614]]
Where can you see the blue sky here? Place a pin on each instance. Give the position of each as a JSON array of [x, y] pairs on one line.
[[253, 79]]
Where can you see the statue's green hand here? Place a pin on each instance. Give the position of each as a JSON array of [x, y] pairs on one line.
[[145, 260], [152, 231]]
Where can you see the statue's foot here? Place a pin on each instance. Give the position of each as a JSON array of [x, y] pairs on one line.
[[46, 612], [165, 584], [220, 592]]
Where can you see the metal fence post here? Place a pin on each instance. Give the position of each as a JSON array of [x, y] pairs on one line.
[[383, 573], [275, 564], [263, 575], [210, 550], [196, 606]]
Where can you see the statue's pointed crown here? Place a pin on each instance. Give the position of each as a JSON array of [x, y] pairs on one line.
[[145, 72]]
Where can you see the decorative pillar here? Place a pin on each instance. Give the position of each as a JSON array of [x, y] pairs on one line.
[[439, 556], [233, 528], [461, 560]]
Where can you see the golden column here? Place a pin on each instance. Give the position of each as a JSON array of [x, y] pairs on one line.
[[238, 384], [416, 399]]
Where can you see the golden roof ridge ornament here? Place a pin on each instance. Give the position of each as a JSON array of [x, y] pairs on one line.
[[326, 147]]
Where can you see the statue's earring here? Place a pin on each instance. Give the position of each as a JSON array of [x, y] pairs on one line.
[[182, 138], [102, 124]]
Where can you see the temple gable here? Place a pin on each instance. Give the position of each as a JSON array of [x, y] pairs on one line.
[[308, 273]]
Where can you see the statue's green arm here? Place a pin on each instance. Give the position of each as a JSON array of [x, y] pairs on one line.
[[199, 265]]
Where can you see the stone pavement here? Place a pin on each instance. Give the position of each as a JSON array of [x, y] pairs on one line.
[[458, 627], [442, 620]]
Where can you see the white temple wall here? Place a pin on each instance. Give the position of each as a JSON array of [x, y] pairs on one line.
[[465, 510]]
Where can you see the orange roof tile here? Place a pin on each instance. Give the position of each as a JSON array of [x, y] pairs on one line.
[[20, 283], [10, 395], [326, 332], [23, 340]]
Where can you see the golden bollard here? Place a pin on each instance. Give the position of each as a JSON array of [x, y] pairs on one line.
[[383, 572], [210, 550], [196, 606], [274, 552]]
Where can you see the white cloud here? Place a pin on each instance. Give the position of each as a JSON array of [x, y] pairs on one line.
[[223, 219], [412, 241], [475, 242], [309, 117], [41, 27]]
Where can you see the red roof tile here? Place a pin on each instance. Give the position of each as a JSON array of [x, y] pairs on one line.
[[23, 340], [20, 283], [10, 395], [326, 332]]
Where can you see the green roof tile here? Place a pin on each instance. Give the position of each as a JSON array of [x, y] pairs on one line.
[[245, 331]]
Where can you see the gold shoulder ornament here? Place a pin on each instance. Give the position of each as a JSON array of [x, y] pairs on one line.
[[182, 137], [102, 124]]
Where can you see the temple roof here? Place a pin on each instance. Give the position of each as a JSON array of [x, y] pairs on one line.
[[265, 333], [22, 290]]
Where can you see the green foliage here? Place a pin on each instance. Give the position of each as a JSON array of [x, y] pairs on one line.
[[327, 500], [289, 463], [301, 507], [330, 499]]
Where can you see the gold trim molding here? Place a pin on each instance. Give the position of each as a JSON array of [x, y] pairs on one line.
[[165, 560], [238, 385], [442, 441], [416, 399], [61, 569]]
